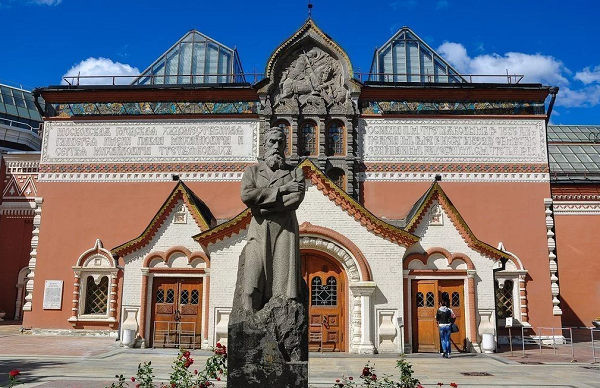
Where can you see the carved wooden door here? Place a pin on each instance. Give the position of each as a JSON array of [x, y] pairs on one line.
[[425, 332], [454, 291], [426, 298], [327, 300], [176, 307]]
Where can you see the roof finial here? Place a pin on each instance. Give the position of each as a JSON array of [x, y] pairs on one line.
[[310, 9]]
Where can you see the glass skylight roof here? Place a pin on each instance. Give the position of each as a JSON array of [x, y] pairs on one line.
[[574, 150], [17, 108], [407, 58], [194, 59]]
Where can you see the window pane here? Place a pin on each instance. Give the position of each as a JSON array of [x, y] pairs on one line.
[[420, 300], [184, 297], [195, 297], [170, 296], [430, 299], [96, 296], [160, 296], [455, 299], [335, 139], [308, 139]]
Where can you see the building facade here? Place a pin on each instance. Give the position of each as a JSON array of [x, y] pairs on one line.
[[420, 185]]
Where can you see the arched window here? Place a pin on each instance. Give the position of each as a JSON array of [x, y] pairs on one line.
[[285, 126], [420, 300], [308, 139], [96, 296], [338, 176], [430, 299], [335, 139], [184, 297], [195, 297], [170, 296], [160, 296]]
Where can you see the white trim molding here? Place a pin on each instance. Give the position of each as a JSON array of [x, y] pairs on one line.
[[576, 208], [35, 236], [552, 256], [453, 177]]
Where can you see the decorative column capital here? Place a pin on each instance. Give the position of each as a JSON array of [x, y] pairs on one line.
[[471, 273], [363, 288]]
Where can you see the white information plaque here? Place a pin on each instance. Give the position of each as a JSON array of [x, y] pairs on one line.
[[53, 295], [453, 140], [68, 142]]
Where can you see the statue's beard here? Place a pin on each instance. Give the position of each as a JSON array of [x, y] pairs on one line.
[[274, 159]]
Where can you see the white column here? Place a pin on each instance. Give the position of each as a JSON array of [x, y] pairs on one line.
[[365, 290]]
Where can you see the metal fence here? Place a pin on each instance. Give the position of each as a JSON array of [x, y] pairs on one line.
[[174, 334]]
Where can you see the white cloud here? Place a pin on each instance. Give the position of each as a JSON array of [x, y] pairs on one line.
[[535, 67], [47, 2], [585, 97], [588, 76], [97, 67]]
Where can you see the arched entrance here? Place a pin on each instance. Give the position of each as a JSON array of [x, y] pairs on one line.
[[327, 285]]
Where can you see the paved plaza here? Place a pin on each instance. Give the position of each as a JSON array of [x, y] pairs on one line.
[[48, 361]]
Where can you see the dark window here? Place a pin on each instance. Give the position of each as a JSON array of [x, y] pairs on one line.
[[324, 295], [420, 300], [308, 139], [170, 296], [338, 177], [160, 296], [504, 299], [288, 136], [96, 296], [430, 299], [195, 297], [455, 299], [184, 298], [335, 139]]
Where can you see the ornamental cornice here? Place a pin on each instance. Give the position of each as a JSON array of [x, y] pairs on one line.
[[576, 207]]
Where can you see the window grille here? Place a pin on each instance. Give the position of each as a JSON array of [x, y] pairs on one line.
[[288, 136], [455, 299], [160, 296], [170, 296], [504, 299], [309, 139], [324, 295], [335, 139], [195, 297], [430, 299], [184, 298], [96, 296], [420, 300]]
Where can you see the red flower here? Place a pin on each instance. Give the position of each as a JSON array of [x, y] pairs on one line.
[[337, 380], [453, 385], [195, 371], [14, 373], [440, 384], [366, 371], [219, 345], [218, 379], [133, 379], [350, 378], [186, 354], [374, 377]]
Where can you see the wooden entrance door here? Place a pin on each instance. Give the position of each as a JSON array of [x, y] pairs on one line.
[[177, 311], [426, 297], [327, 301]]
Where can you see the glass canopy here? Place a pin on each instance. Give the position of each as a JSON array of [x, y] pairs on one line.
[[574, 151], [194, 59], [17, 108], [407, 58]]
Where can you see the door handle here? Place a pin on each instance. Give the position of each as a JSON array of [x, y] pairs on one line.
[[177, 316]]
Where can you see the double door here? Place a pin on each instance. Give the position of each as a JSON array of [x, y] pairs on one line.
[[426, 299], [177, 311]]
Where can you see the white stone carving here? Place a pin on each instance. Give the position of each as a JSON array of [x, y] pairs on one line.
[[35, 235], [436, 215], [148, 142], [576, 207], [336, 251], [141, 177], [221, 325], [556, 310], [387, 333], [452, 140]]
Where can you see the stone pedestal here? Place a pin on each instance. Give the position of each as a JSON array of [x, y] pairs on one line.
[[269, 348]]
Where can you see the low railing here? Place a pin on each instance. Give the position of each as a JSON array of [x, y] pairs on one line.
[[19, 124], [175, 334], [208, 78]]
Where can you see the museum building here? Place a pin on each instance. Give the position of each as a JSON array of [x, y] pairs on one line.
[[420, 184]]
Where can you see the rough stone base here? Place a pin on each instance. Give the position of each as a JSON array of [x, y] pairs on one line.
[[269, 349]]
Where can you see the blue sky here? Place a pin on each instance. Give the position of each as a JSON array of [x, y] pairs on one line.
[[552, 42]]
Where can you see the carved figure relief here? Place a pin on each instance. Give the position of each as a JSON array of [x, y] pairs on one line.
[[311, 82], [437, 216]]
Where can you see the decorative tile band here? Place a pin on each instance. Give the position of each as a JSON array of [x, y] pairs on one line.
[[450, 108], [453, 177], [509, 168], [102, 168], [86, 109]]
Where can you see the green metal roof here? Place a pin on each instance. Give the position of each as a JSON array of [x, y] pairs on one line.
[[574, 152]]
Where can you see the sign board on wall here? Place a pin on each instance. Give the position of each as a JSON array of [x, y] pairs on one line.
[[453, 140], [53, 295], [150, 141]]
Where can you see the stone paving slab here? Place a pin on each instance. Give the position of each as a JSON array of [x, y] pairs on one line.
[[83, 362]]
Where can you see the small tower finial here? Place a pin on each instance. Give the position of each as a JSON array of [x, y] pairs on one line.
[[310, 9]]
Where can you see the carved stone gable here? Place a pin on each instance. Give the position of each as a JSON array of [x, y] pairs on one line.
[[310, 82]]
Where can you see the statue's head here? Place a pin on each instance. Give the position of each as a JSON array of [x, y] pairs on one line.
[[275, 142]]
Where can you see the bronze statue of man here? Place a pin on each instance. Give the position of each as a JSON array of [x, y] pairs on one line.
[[273, 190]]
